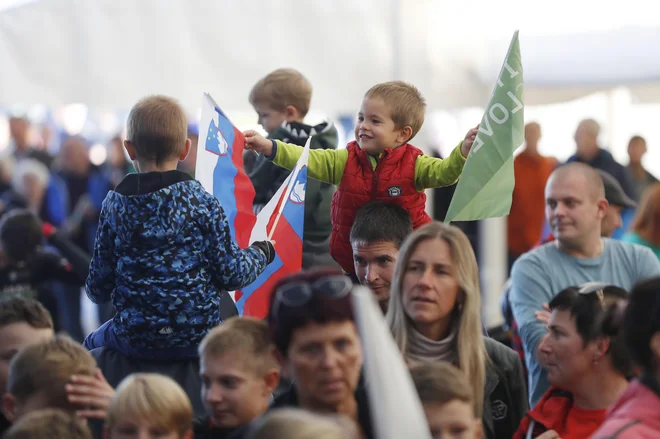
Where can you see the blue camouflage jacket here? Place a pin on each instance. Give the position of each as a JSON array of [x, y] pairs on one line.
[[163, 254]]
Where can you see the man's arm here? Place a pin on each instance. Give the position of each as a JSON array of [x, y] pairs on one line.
[[326, 165], [431, 172], [530, 289]]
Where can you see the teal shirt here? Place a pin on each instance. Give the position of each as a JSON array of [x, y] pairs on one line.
[[634, 238], [538, 275]]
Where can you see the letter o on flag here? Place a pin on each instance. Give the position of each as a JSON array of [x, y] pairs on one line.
[[503, 109]]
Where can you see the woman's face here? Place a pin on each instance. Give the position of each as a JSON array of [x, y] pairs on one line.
[[564, 354], [430, 285]]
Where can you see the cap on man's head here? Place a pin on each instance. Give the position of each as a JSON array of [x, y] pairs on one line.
[[614, 193]]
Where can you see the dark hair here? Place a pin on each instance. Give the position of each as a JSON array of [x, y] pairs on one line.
[[318, 309], [380, 221], [636, 138], [642, 320], [20, 234], [595, 317], [21, 310]]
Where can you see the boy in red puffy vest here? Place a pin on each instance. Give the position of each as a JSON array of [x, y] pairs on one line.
[[379, 165]]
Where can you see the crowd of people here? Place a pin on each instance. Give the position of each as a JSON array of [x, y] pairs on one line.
[[155, 251]]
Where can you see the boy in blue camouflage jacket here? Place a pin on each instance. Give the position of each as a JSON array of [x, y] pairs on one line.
[[163, 250]]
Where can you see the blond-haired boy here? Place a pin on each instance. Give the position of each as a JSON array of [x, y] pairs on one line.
[[447, 400], [239, 373], [380, 164], [147, 402], [282, 99], [164, 252]]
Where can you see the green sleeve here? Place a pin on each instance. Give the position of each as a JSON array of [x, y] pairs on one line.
[[326, 165], [431, 172]]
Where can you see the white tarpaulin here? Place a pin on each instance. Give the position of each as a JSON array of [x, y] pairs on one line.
[[109, 53]]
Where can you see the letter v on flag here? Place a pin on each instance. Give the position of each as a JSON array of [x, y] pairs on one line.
[[485, 188], [281, 220]]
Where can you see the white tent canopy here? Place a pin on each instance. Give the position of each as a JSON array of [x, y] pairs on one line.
[[108, 53]]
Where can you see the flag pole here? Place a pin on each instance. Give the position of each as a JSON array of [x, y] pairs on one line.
[[292, 182]]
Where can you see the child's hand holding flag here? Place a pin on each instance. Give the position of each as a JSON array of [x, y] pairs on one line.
[[257, 142]]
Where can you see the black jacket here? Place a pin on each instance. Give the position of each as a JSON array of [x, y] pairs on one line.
[[505, 394], [203, 429]]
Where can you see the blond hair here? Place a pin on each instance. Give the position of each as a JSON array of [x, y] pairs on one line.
[[439, 382], [242, 335], [155, 398], [157, 127], [281, 88], [405, 102], [49, 424], [647, 219], [301, 424], [470, 347], [45, 368]]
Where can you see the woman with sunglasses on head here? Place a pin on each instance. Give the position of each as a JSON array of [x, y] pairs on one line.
[[435, 315], [312, 326], [587, 363], [635, 414]]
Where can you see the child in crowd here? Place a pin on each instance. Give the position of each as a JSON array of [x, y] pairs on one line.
[[447, 401], [239, 373], [164, 251], [149, 405], [39, 373], [282, 99], [49, 424], [379, 164]]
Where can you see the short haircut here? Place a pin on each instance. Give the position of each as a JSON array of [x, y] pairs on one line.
[[45, 368], [293, 423], [49, 424], [594, 318], [318, 309], [154, 398], [591, 176], [380, 221], [642, 321], [22, 310], [591, 125], [157, 127], [281, 88], [439, 382], [20, 234], [636, 138], [242, 335], [405, 102], [33, 168]]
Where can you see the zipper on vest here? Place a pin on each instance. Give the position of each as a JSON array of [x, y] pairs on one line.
[[374, 182]]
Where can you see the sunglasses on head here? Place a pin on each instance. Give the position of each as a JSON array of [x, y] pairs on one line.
[[597, 288], [296, 294]]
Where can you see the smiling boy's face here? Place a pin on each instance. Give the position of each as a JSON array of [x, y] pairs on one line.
[[375, 130]]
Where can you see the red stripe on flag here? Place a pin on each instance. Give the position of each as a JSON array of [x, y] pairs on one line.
[[244, 193], [289, 248]]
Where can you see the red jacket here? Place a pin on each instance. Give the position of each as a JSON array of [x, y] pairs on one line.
[[635, 415], [555, 411], [393, 180]]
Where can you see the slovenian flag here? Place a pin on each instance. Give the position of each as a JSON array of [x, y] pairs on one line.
[[219, 169], [282, 221]]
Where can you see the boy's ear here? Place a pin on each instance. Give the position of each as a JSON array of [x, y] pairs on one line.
[[130, 149], [291, 114], [9, 407], [186, 150], [405, 134], [272, 380]]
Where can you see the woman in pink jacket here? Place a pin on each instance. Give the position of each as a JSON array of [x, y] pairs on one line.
[[636, 414]]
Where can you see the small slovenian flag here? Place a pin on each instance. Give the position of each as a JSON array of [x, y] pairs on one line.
[[220, 169], [281, 220]]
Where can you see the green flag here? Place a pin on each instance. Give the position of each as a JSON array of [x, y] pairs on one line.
[[486, 185]]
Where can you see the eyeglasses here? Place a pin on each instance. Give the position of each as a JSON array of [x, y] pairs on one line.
[[595, 287], [296, 294]]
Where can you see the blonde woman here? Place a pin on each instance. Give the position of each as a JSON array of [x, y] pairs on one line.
[[434, 313]]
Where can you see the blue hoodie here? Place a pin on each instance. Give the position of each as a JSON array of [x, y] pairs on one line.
[[163, 254]]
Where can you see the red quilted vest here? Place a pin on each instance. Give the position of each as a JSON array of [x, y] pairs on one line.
[[393, 180]]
